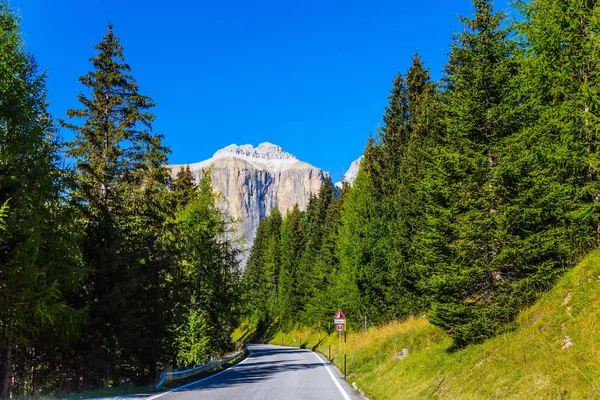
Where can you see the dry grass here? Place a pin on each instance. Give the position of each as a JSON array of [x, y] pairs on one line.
[[529, 363]]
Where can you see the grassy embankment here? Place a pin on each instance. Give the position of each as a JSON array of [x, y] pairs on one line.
[[531, 362]]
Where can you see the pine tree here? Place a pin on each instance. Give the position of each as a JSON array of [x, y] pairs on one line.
[[547, 176], [323, 302], [364, 243], [184, 186], [211, 266], [272, 258], [293, 244], [39, 256], [121, 185], [308, 274], [479, 110], [561, 91], [409, 204], [394, 135], [255, 281], [378, 264]]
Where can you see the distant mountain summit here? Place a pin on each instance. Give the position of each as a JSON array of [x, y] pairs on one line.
[[253, 180], [350, 175], [264, 151]]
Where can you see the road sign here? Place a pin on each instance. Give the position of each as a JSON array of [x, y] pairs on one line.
[[340, 327], [340, 318]]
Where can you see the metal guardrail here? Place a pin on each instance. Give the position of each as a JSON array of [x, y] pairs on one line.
[[176, 375]]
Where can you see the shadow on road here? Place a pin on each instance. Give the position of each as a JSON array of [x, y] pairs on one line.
[[255, 371], [275, 351]]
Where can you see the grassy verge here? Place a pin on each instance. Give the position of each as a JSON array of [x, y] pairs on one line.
[[554, 353]]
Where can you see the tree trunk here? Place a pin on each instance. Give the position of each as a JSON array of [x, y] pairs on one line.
[[5, 378]]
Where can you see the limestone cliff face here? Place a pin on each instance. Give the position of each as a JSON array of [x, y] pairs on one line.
[[254, 180], [350, 175]]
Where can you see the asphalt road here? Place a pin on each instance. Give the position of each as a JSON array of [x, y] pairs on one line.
[[270, 372]]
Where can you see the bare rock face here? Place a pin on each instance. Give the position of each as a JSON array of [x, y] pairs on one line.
[[253, 180], [350, 175]]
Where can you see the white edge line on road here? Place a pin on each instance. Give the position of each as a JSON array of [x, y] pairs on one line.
[[201, 380], [340, 388]]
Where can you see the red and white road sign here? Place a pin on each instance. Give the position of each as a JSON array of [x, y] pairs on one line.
[[340, 327], [340, 318]]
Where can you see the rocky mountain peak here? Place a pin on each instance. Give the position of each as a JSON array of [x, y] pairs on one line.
[[350, 175], [264, 151]]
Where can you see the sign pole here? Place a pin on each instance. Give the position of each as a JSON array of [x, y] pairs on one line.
[[345, 332], [340, 326], [329, 340]]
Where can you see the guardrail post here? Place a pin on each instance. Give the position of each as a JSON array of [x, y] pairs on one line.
[[163, 376]]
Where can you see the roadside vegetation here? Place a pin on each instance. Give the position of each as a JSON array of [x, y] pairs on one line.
[[553, 353]]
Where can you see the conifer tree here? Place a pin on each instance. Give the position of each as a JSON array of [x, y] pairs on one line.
[[308, 274], [394, 135], [479, 114], [211, 265], [39, 256], [184, 186], [422, 129], [363, 243], [547, 177], [255, 281], [272, 258], [121, 185], [293, 244], [379, 264], [323, 302]]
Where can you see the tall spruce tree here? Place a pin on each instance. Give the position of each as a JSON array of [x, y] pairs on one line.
[[121, 185], [255, 281], [316, 215], [293, 244], [39, 256], [211, 267], [479, 109], [323, 302], [547, 177], [371, 217], [272, 258], [421, 127], [184, 186], [364, 243]]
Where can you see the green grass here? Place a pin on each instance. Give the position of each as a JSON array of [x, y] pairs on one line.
[[528, 363]]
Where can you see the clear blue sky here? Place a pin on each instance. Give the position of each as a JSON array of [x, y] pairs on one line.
[[311, 76]]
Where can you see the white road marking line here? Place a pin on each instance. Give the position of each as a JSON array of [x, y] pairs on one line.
[[342, 391], [203, 379]]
